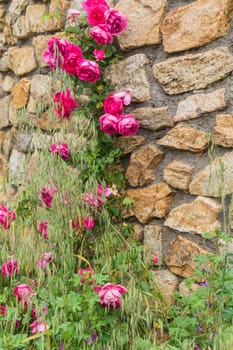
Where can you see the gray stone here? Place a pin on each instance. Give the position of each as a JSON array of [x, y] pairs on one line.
[[20, 28], [153, 118], [17, 164], [153, 236], [196, 105], [132, 77], [167, 284], [4, 111], [23, 142], [193, 71], [41, 90]]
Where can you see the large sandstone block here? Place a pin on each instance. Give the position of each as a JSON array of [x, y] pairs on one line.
[[153, 118], [196, 24], [167, 284], [146, 14], [223, 131], [4, 111], [215, 179], [20, 93], [178, 174], [40, 44], [21, 60], [142, 165], [153, 237], [128, 144], [150, 202], [193, 71], [132, 77], [181, 257], [196, 217], [185, 138]]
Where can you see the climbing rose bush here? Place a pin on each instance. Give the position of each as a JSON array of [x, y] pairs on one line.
[[64, 103]]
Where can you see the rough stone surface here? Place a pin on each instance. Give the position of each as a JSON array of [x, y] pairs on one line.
[[196, 24], [41, 90], [20, 28], [9, 141], [4, 62], [223, 131], [34, 18], [47, 122], [153, 118], [193, 71], [17, 165], [18, 6], [23, 142], [13, 114], [146, 14], [150, 202], [215, 178], [20, 92], [186, 138], [153, 237], [186, 291], [3, 171], [7, 84], [4, 109], [196, 217], [167, 284], [196, 105], [21, 60], [128, 144], [181, 257], [142, 165], [40, 44], [178, 174], [132, 77]]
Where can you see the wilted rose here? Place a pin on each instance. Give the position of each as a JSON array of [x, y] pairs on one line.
[[110, 294]]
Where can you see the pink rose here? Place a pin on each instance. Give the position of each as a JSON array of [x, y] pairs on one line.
[[54, 56], [86, 275], [116, 22], [23, 293], [72, 14], [101, 35], [96, 202], [47, 194], [113, 105], [109, 123], [43, 226], [128, 125], [88, 70], [71, 58], [107, 191], [46, 259], [110, 294], [155, 259], [125, 96], [10, 268], [38, 326], [3, 310], [88, 223], [91, 3], [99, 54], [62, 150], [95, 15], [6, 216], [64, 103]]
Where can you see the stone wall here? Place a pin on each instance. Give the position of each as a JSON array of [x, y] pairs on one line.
[[178, 63]]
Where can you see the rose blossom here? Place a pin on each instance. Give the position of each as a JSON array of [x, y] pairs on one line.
[[6, 216], [125, 96], [62, 150], [155, 259], [128, 125], [86, 275], [109, 123], [43, 226], [99, 54], [101, 35], [86, 5], [110, 294], [70, 60], [115, 21], [38, 326], [10, 268], [46, 259], [107, 191], [113, 105], [23, 293], [88, 223], [72, 14], [95, 15], [47, 194], [96, 202], [88, 70], [64, 103], [54, 56], [3, 310]]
